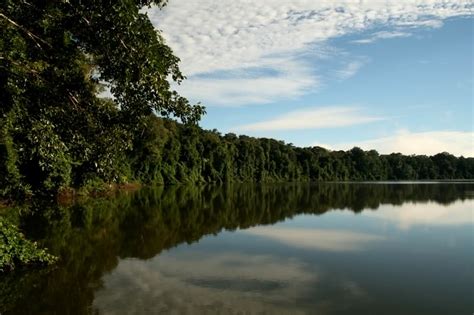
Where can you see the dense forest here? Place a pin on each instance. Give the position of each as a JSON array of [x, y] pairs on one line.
[[167, 152], [56, 57], [57, 133]]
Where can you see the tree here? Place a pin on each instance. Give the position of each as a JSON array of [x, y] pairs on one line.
[[54, 55]]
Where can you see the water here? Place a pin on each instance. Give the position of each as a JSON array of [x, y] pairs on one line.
[[249, 249]]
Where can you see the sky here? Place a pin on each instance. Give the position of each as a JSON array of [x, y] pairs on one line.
[[395, 76]]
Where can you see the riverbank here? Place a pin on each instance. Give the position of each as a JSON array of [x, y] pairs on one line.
[[70, 195]]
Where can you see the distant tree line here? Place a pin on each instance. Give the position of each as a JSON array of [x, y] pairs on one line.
[[167, 152]]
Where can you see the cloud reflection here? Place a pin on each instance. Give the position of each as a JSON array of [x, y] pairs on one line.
[[431, 213], [320, 239], [203, 282], [196, 283]]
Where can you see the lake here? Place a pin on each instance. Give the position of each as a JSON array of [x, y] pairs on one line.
[[333, 248]]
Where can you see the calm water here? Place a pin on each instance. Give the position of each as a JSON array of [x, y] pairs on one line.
[[282, 249]]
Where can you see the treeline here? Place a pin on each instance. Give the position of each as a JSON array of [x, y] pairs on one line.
[[166, 152]]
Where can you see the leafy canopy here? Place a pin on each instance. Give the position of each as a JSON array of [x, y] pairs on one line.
[[54, 56]]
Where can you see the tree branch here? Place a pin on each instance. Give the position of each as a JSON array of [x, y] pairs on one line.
[[30, 34]]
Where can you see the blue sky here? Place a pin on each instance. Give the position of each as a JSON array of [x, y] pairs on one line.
[[396, 76]]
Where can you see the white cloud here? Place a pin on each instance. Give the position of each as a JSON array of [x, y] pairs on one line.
[[406, 142], [211, 36], [313, 118], [350, 70], [381, 35], [287, 79], [320, 239], [221, 35]]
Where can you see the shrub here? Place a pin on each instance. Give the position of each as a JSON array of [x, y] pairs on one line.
[[16, 250]]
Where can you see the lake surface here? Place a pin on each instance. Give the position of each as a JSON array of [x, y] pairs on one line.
[[249, 249]]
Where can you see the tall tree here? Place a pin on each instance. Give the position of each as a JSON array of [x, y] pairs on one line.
[[54, 129]]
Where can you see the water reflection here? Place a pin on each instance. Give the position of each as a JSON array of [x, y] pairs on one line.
[[427, 214], [199, 284], [130, 255], [321, 239]]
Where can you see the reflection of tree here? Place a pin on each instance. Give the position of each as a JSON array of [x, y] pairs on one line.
[[91, 236]]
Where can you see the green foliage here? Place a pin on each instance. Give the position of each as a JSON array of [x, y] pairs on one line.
[[52, 168], [55, 131], [10, 178], [168, 152], [16, 251]]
